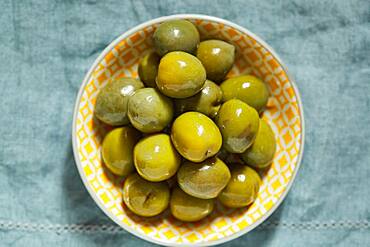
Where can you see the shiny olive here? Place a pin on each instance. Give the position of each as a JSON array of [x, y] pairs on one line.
[[238, 123], [242, 188], [149, 111], [117, 149], [195, 136], [203, 180], [111, 103], [145, 198], [207, 101], [156, 159], [148, 69], [189, 208], [217, 57], [248, 89], [262, 151], [180, 75], [176, 35]]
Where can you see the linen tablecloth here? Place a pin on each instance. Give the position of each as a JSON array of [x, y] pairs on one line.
[[46, 47]]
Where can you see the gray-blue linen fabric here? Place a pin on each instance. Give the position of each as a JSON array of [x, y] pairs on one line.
[[46, 47]]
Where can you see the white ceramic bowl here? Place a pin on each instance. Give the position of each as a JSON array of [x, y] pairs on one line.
[[284, 113]]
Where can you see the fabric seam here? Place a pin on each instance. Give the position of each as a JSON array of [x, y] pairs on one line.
[[112, 229]]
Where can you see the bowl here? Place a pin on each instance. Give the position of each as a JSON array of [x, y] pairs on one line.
[[284, 113]]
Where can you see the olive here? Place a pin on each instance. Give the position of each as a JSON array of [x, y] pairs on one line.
[[238, 123], [242, 188], [111, 102], [145, 198], [195, 136], [248, 89], [117, 149], [156, 158], [207, 101], [180, 75], [189, 208], [149, 111], [261, 153], [176, 35], [203, 180], [148, 69], [217, 57]]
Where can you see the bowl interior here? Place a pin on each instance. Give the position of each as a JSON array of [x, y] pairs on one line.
[[283, 114]]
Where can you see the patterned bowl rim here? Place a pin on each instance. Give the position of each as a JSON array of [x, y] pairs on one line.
[[82, 88]]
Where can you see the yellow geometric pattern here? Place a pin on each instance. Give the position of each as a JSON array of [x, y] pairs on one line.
[[283, 114]]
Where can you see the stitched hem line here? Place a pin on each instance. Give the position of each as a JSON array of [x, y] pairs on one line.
[[60, 228], [344, 224], [113, 229]]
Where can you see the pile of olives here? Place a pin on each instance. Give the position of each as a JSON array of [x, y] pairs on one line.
[[178, 126]]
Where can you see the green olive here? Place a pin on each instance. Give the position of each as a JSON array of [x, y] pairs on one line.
[[117, 149], [195, 136], [207, 101], [176, 35], [180, 75], [248, 89], [242, 188], [238, 123], [203, 180], [261, 153], [111, 103], [156, 158], [217, 57], [149, 111], [189, 208], [145, 198], [148, 69]]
